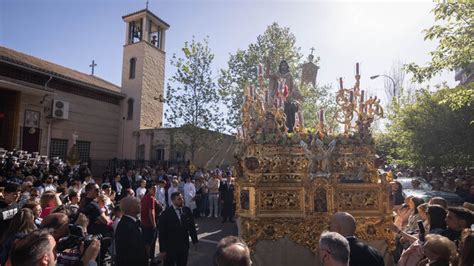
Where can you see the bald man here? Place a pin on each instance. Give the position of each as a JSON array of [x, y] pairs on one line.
[[129, 241], [232, 250], [361, 254]]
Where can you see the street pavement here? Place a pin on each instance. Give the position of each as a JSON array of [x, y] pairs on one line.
[[210, 231]]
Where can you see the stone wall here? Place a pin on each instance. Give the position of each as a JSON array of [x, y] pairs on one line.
[[145, 89], [94, 121], [151, 115]]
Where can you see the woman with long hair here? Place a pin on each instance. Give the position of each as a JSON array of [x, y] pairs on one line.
[[466, 246], [22, 224], [397, 193], [36, 208], [436, 219], [413, 204]]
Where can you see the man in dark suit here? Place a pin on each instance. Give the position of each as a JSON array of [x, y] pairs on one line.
[[361, 254], [129, 242], [127, 181], [175, 226], [227, 198]]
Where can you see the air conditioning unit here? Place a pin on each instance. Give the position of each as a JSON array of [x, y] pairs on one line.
[[60, 109]]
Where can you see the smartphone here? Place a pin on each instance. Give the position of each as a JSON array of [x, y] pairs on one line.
[[421, 231]]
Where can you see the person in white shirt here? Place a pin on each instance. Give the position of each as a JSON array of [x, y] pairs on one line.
[[189, 194], [88, 179], [48, 184], [213, 186], [172, 189], [141, 190], [161, 193]]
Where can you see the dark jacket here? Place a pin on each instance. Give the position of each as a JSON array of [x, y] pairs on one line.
[[129, 243], [126, 183], [363, 255], [227, 193], [174, 234]]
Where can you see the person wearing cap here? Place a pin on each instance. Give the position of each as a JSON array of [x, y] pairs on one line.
[[8, 206], [457, 219]]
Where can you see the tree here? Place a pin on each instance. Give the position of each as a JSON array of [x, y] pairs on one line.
[[192, 96], [314, 99], [430, 132], [454, 32], [274, 44]]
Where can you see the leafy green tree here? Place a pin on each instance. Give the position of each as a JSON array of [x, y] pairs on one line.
[[429, 132], [275, 44], [314, 99], [454, 31], [192, 96]]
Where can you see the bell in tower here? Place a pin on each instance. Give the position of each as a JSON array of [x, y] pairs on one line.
[[145, 26]]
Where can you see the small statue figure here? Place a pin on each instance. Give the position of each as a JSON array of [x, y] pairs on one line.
[[325, 154], [320, 201]]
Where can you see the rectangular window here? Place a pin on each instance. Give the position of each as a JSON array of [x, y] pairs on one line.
[[160, 154], [130, 109], [133, 66], [84, 149], [141, 152], [58, 148]]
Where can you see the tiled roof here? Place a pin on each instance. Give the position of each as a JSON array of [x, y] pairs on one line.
[[151, 13], [29, 61]]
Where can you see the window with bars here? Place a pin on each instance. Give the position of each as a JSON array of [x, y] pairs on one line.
[[84, 149], [141, 152], [160, 154], [58, 148]]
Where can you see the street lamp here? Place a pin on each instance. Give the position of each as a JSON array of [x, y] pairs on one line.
[[393, 82]]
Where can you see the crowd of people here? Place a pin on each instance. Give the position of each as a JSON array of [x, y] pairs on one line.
[[454, 180], [430, 231], [116, 218], [52, 214]]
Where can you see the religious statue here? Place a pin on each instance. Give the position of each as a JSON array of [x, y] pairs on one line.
[[324, 154], [281, 89], [320, 201], [73, 156]]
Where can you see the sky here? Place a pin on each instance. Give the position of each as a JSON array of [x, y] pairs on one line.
[[377, 34]]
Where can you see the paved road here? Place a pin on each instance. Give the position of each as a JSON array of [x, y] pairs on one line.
[[210, 231]]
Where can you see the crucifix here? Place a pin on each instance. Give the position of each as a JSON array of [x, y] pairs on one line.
[[312, 50], [92, 66], [146, 4]]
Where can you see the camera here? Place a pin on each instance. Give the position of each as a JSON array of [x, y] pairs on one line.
[[77, 236]]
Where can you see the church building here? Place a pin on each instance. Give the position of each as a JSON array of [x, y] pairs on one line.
[[46, 108]]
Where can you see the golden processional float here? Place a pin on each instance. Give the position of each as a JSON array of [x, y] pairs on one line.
[[290, 180]]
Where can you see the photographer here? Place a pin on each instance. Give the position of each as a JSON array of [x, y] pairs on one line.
[[38, 248], [99, 222], [8, 206]]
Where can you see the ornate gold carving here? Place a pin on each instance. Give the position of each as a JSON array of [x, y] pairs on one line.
[[289, 184], [279, 200], [357, 200]]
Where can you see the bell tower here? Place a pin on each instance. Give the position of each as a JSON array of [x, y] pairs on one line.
[[143, 73]]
